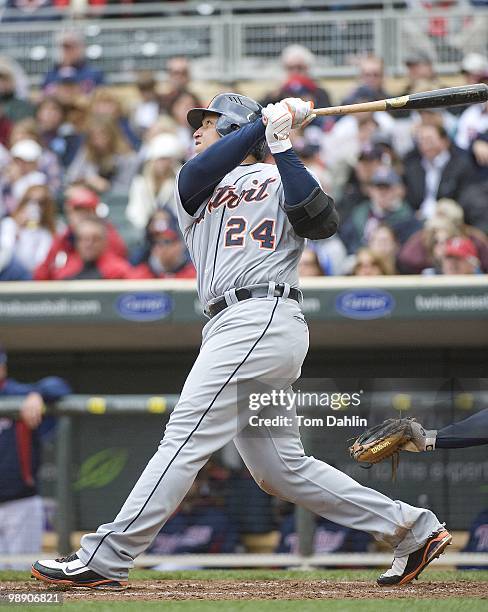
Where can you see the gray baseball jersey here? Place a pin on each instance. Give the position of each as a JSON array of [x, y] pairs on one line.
[[240, 235]]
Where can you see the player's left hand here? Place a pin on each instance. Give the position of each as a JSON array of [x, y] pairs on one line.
[[301, 111], [278, 121]]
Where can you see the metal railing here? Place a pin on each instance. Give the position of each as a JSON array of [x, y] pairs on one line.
[[231, 45]]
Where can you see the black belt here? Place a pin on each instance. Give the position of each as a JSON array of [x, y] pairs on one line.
[[245, 293]]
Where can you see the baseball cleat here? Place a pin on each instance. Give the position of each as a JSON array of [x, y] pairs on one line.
[[71, 572], [405, 569]]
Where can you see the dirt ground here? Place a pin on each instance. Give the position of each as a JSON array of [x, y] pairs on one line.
[[261, 589]]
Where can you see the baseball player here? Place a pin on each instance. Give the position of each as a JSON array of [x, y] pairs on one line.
[[245, 224]]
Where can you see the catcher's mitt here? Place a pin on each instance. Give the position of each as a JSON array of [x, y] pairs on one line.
[[383, 441]]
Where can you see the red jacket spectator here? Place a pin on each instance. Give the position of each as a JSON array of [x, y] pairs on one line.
[[108, 266], [63, 249], [81, 204], [90, 259]]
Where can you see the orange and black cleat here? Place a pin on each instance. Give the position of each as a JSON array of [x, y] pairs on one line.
[[71, 572], [405, 569]]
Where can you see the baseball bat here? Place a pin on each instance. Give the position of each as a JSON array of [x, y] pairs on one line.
[[437, 98]]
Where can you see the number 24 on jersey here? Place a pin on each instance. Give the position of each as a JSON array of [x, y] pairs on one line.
[[263, 233]]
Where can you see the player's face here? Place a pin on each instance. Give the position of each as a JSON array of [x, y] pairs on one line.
[[206, 134]]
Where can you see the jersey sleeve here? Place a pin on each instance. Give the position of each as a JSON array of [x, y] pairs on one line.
[[185, 220], [281, 191]]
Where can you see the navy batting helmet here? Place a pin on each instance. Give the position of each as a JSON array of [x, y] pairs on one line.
[[234, 110]]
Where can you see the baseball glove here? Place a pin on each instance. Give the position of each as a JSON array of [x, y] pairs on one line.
[[383, 441]]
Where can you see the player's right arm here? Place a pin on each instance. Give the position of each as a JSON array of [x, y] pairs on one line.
[[201, 174]]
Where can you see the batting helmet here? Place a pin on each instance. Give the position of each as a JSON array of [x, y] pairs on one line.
[[234, 110]]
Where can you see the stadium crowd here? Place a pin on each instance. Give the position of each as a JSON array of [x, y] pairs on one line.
[[86, 183]]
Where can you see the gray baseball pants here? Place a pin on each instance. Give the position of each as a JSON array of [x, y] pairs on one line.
[[257, 339]]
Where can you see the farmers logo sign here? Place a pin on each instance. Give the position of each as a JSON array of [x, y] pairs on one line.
[[365, 304], [144, 306]]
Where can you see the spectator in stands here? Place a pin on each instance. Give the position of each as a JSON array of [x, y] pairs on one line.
[[386, 205], [178, 112], [81, 203], [328, 537], [370, 84], [369, 263], [309, 264], [13, 107], [26, 236], [91, 259], [389, 152], [104, 161], [449, 209], [473, 199], [383, 243], [421, 75], [472, 123], [68, 88], [55, 131], [297, 62], [435, 169], [460, 257], [447, 222], [158, 220], [406, 129], [48, 164], [422, 252], [168, 257], [163, 125], [147, 109], [72, 63], [349, 136], [475, 68], [21, 173], [104, 103], [154, 187], [355, 190], [178, 82], [21, 510]]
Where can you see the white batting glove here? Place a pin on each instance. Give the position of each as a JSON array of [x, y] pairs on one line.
[[301, 111], [277, 119]]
